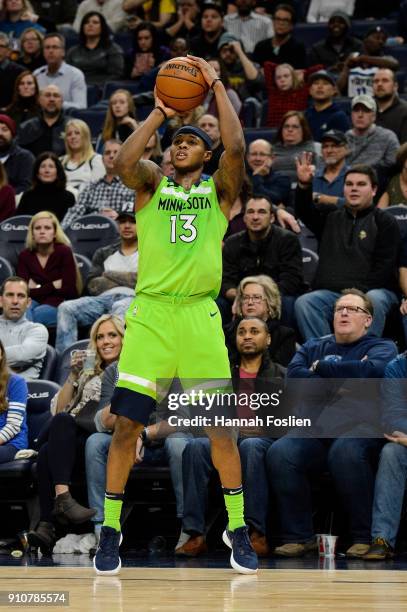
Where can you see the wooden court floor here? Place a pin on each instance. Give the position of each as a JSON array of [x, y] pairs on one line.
[[212, 590]]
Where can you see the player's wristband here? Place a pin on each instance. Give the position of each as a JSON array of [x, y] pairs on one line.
[[162, 110], [213, 83]]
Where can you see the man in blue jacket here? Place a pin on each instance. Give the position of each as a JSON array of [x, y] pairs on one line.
[[391, 478], [349, 353]]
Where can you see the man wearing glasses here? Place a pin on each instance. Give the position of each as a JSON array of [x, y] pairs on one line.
[[329, 178], [358, 246], [349, 353]]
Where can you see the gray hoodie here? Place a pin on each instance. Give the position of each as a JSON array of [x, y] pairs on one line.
[[25, 343]]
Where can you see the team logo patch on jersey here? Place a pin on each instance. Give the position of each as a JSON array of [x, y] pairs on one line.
[[362, 235]]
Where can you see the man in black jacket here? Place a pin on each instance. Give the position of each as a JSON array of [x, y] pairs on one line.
[[263, 248], [45, 133], [252, 373], [358, 247]]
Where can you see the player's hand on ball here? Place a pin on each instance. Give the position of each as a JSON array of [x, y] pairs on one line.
[[209, 73], [170, 112]]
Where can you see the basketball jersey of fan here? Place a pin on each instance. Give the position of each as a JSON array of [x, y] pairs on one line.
[[180, 238]]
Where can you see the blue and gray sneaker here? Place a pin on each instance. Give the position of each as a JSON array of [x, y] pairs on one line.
[[243, 558], [107, 561]]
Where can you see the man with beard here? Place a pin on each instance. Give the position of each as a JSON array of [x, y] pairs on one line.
[[391, 111], [327, 184], [324, 114], [248, 26], [44, 133], [333, 50], [17, 162]]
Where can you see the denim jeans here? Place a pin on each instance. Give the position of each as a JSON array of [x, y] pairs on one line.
[[314, 311], [390, 485], [197, 468], [42, 313], [96, 452], [352, 463], [85, 311]]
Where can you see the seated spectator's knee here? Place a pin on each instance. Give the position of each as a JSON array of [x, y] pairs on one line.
[[97, 443], [346, 451], [394, 453], [283, 453]]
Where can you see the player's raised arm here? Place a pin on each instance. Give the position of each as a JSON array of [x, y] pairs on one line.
[[229, 177], [138, 174]]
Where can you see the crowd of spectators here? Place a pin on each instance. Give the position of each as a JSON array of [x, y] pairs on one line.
[[326, 160]]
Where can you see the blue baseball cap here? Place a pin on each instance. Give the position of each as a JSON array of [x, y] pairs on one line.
[[191, 129]]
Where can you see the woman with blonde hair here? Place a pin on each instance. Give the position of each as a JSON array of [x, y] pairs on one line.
[[62, 442], [13, 402], [48, 265], [259, 296], [120, 119], [287, 89], [81, 164], [7, 196]]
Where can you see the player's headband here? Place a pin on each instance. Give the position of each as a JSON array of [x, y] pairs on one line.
[[191, 129]]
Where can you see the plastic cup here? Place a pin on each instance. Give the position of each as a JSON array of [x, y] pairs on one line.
[[327, 545], [89, 362]]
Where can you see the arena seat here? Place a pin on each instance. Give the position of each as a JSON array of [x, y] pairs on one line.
[[309, 264], [84, 264], [17, 484], [91, 232], [64, 360], [251, 134], [399, 212], [307, 238], [6, 269], [49, 365], [111, 86], [94, 119], [93, 94], [13, 232]]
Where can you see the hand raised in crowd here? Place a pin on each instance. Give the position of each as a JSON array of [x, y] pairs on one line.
[[305, 168]]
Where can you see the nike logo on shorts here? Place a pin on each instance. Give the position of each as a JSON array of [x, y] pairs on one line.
[[212, 314]]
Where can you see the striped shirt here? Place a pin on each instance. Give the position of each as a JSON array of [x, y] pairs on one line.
[[250, 30], [98, 195], [13, 421]]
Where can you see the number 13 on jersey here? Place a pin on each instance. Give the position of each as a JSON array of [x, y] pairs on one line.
[[189, 231]]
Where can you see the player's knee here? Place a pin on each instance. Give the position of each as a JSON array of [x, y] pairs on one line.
[[126, 430]]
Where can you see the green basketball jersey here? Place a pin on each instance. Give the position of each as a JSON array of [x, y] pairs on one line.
[[180, 241]]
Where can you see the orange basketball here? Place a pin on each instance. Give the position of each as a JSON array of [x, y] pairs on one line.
[[180, 85]]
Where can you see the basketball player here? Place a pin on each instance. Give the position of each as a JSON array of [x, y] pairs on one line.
[[173, 327]]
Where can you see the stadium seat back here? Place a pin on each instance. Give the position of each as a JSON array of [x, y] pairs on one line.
[[40, 394], [13, 232], [49, 365], [90, 232], [84, 264], [309, 264], [6, 269]]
